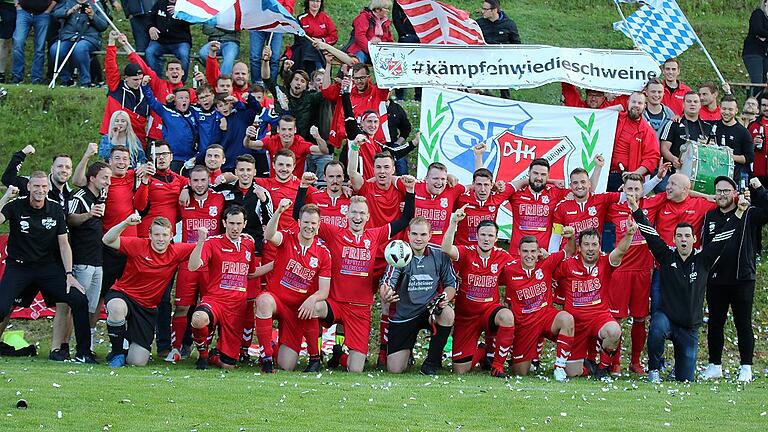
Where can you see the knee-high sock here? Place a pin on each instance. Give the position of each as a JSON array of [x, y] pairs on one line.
[[383, 332], [639, 334], [116, 331], [248, 324], [563, 349], [592, 349], [606, 357], [311, 333], [178, 327], [505, 336], [616, 359], [264, 334], [200, 337], [437, 344]]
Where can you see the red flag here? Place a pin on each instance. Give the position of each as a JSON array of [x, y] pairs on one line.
[[439, 23]]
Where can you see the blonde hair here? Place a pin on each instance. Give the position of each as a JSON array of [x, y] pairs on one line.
[[131, 140], [380, 4]]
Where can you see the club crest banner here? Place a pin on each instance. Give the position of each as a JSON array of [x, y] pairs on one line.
[[510, 66], [515, 133]]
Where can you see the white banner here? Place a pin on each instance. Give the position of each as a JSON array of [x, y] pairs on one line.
[[515, 133], [510, 66]]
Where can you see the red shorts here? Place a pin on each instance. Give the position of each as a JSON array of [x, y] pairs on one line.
[[559, 297], [291, 328], [586, 330], [357, 323], [528, 333], [188, 285], [229, 320], [629, 293], [254, 285], [467, 329]]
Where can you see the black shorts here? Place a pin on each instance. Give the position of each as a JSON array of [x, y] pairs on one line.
[[21, 282], [113, 265], [402, 335], [141, 320], [7, 20]]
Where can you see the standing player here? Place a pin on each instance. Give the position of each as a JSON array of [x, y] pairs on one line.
[[229, 259], [435, 199], [478, 305], [331, 200], [480, 203], [301, 278], [282, 185], [132, 302], [204, 210], [585, 278], [383, 192], [354, 250], [420, 294]]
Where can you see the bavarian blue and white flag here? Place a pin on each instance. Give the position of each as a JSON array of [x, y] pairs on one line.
[[659, 28]]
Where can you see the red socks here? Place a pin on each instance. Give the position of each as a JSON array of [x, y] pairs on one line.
[[311, 334], [639, 335], [563, 348], [383, 330], [178, 327], [505, 336], [200, 336], [264, 334], [248, 324], [616, 360]]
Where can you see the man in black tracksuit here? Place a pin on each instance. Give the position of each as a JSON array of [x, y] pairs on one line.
[[684, 274], [732, 279]]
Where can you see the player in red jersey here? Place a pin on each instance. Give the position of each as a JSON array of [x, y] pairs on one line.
[[300, 280], [214, 158], [435, 199], [227, 261], [382, 190], [480, 202], [529, 293], [478, 306], [134, 298], [583, 277], [287, 138], [283, 185], [354, 250], [331, 200], [203, 211], [533, 205]]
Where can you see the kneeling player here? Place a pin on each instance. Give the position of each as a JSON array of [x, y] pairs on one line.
[[413, 292], [584, 277], [529, 292], [301, 277], [132, 302], [229, 259], [478, 305]]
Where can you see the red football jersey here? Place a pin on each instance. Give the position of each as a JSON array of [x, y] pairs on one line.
[[436, 208], [638, 257], [332, 210], [228, 263], [353, 257], [162, 197], [368, 150], [300, 147], [532, 213], [583, 287], [528, 291], [670, 213], [479, 283], [477, 211], [119, 203], [383, 205], [201, 214], [147, 272], [583, 216], [278, 191], [297, 268]]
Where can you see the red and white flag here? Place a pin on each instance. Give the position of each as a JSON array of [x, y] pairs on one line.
[[440, 23]]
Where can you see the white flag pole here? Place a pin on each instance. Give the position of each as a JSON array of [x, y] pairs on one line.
[[109, 21]]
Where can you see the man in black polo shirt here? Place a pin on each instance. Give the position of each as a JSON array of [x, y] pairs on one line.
[[689, 128], [731, 133], [37, 248], [84, 213]]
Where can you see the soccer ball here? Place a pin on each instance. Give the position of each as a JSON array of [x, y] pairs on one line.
[[398, 253]]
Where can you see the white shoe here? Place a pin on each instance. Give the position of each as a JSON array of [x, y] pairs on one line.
[[712, 371], [745, 374], [561, 376], [173, 356], [654, 377]]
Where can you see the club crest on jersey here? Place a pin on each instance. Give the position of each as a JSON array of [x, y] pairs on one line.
[[49, 223], [645, 212], [594, 272], [539, 274], [444, 202], [592, 211], [344, 209], [313, 262], [711, 227], [213, 211], [494, 268], [367, 243], [491, 209], [545, 199], [248, 256]]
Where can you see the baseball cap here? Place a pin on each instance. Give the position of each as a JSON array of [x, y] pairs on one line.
[[132, 70], [726, 178]]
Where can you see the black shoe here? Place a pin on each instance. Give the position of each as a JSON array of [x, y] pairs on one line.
[[536, 365], [85, 359], [335, 359], [57, 355], [202, 363], [591, 367], [65, 350], [313, 366], [267, 366], [430, 369], [244, 357], [498, 373], [602, 373]]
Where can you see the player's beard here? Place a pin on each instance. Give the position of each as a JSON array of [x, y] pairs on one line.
[[536, 188]]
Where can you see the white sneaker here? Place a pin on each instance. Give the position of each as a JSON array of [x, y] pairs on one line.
[[173, 356], [654, 377], [745, 374], [561, 376], [712, 371]]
